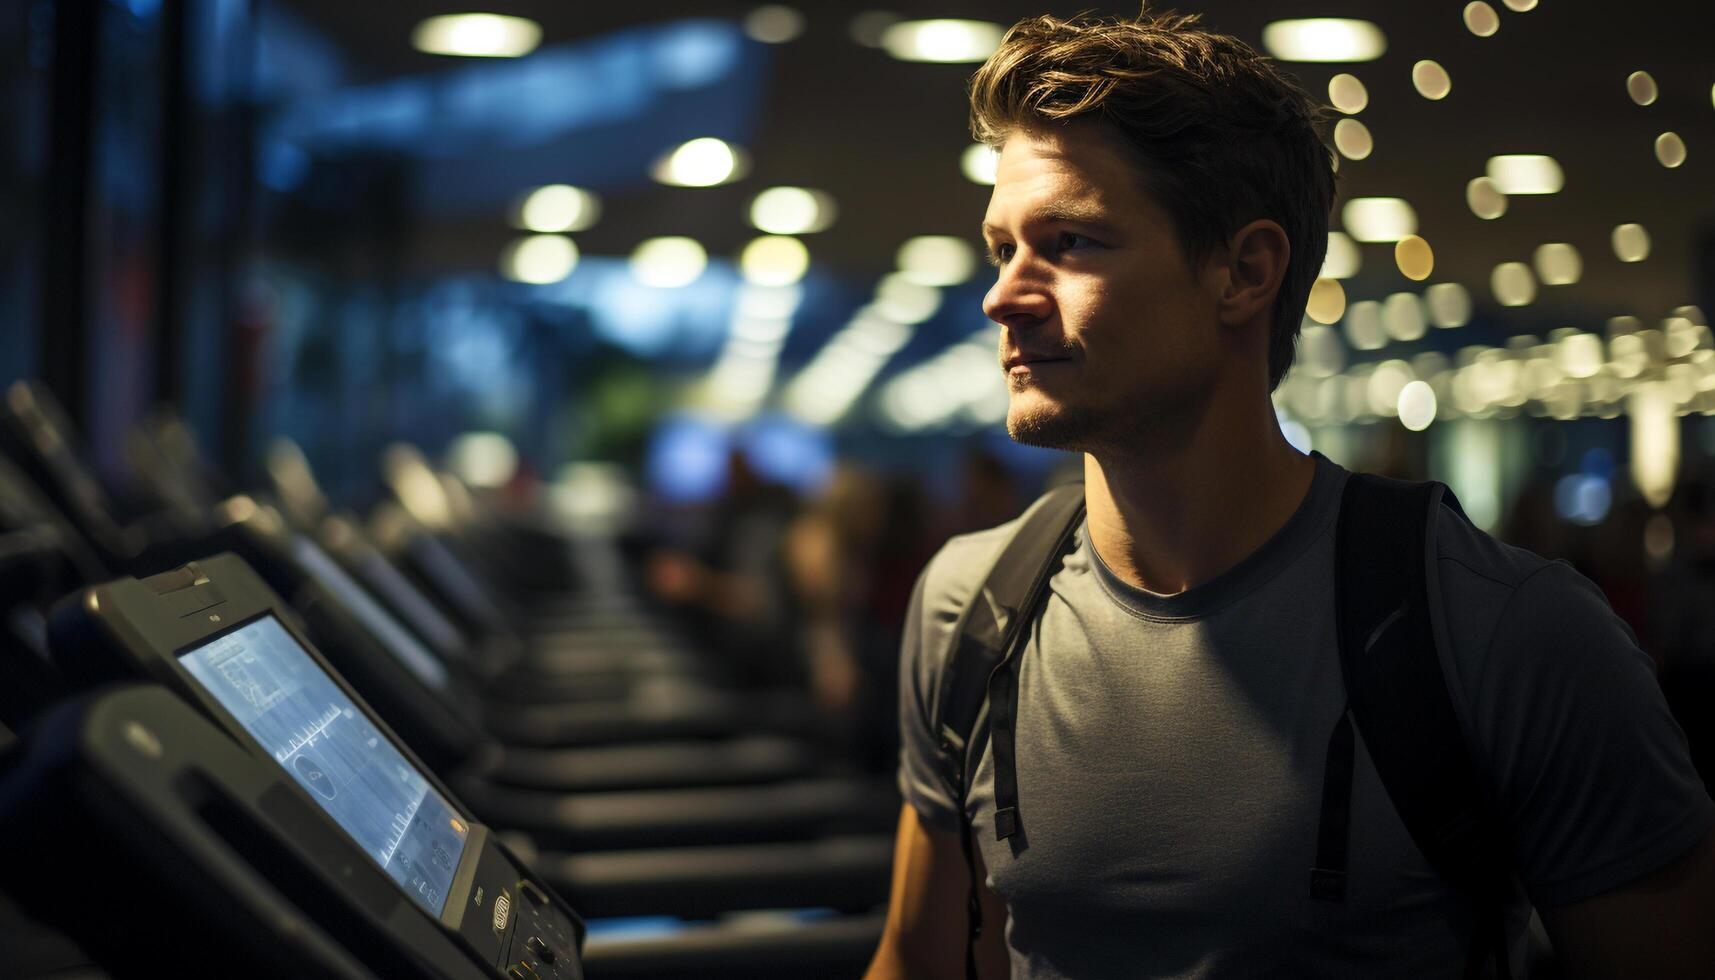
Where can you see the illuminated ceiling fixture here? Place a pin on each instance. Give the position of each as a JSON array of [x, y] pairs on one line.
[[702, 162], [1449, 305], [1378, 219], [1486, 200], [942, 41], [477, 36], [1670, 150], [979, 162], [1481, 19], [1416, 406], [1631, 243], [1327, 303], [1347, 94], [937, 260], [1402, 317], [1520, 6], [1512, 284], [903, 301], [1416, 260], [557, 208], [1343, 259], [1526, 173], [1558, 264], [1352, 139], [792, 211], [1430, 80], [773, 24], [774, 260], [668, 263], [1324, 39], [1641, 87], [539, 259]]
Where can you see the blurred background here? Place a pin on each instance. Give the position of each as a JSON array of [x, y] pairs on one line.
[[708, 272]]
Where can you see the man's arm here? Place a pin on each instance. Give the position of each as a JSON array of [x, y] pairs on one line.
[[924, 938], [1662, 925]]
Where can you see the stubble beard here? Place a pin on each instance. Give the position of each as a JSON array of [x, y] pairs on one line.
[[1050, 425]]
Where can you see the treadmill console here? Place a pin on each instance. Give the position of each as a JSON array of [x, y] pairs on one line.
[[216, 634]]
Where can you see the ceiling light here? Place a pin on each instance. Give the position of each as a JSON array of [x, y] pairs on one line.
[[1378, 219], [1641, 87], [942, 41], [1402, 317], [792, 211], [773, 24], [1579, 354], [937, 260], [1520, 6], [1384, 384], [1327, 302], [979, 162], [1558, 264], [1347, 94], [1631, 243], [539, 259], [1485, 199], [668, 263], [1363, 325], [1320, 351], [1324, 39], [903, 301], [1670, 150], [1416, 260], [1430, 80], [1526, 173], [557, 208], [1449, 304], [1481, 19], [477, 36], [1352, 139], [702, 162], [1343, 259], [1416, 406], [774, 260], [1512, 284]]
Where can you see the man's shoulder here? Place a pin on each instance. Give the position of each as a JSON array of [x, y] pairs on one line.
[[1485, 582], [959, 568]]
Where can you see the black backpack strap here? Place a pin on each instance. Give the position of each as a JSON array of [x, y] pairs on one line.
[[1397, 696], [984, 640]]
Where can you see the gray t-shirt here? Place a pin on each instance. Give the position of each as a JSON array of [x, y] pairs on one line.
[[1170, 753]]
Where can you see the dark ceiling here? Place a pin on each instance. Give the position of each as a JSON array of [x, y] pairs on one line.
[[884, 137]]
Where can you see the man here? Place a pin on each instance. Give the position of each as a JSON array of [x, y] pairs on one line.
[[1159, 214]]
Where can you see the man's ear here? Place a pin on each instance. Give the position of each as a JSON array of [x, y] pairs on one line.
[[1256, 264]]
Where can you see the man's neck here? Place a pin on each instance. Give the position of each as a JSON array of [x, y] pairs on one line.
[[1178, 515]]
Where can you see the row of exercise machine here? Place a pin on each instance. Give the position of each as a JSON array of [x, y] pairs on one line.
[[252, 734]]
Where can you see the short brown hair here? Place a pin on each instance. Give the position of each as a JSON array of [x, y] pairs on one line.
[[1223, 136]]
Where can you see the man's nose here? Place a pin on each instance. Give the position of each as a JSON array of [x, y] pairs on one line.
[[1019, 297]]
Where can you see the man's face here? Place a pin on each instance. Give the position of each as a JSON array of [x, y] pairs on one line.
[[1106, 330]]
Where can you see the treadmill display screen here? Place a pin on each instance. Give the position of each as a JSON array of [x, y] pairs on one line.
[[261, 675], [395, 637]]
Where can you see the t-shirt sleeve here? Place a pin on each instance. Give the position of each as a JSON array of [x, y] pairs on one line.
[[922, 780], [1591, 771]]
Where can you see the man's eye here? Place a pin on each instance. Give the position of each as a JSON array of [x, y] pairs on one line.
[[1070, 240], [999, 254]]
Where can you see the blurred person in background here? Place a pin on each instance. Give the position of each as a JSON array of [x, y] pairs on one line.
[[732, 583], [1159, 213], [851, 557]]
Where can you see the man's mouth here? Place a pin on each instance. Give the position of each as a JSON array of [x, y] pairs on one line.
[[1025, 365]]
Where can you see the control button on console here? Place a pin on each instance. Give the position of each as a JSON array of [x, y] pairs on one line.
[[541, 949]]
